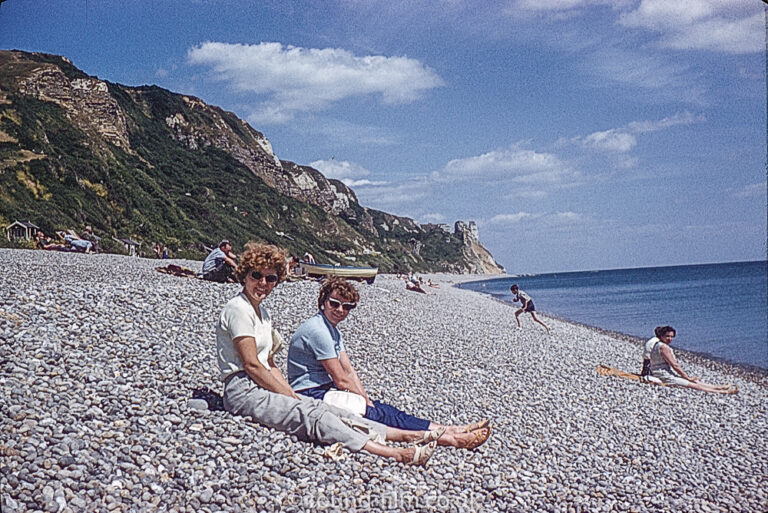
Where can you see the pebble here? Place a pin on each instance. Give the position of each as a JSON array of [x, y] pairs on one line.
[[99, 355]]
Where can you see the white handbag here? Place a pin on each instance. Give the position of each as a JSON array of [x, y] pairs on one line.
[[349, 401], [277, 342]]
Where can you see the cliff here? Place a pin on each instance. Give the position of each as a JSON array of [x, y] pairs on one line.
[[146, 163]]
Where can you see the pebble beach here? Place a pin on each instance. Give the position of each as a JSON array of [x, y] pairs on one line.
[[99, 355]]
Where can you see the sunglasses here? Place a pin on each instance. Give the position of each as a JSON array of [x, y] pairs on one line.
[[346, 306], [271, 278]]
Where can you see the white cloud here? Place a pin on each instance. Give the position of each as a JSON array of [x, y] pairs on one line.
[[680, 118], [515, 165], [560, 5], [294, 80], [729, 26], [645, 70], [395, 196], [549, 220], [754, 190], [526, 193], [611, 140], [510, 218], [622, 140], [350, 173], [432, 218]]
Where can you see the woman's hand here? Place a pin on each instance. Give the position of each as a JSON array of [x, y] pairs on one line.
[[268, 379]]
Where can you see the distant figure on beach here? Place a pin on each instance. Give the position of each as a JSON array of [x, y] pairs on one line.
[[219, 265], [414, 286], [43, 242], [308, 258], [254, 386], [414, 283], [76, 244], [433, 285], [91, 237], [318, 362], [659, 361], [519, 296]]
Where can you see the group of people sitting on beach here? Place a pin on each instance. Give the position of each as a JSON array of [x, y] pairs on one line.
[[86, 242], [322, 399]]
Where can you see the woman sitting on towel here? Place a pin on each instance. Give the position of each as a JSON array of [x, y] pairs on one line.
[[318, 362], [659, 362], [255, 387]]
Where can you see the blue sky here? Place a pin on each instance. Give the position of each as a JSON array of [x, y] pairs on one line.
[[578, 134]]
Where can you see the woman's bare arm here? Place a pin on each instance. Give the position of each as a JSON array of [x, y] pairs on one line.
[[267, 379], [342, 378], [669, 356]]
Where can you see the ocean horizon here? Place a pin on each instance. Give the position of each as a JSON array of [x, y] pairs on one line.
[[719, 310]]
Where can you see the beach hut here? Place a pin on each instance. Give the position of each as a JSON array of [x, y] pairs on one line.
[[18, 230]]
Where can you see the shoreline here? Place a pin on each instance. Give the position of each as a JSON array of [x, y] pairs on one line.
[[752, 372]]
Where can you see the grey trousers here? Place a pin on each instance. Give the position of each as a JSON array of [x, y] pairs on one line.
[[308, 419]]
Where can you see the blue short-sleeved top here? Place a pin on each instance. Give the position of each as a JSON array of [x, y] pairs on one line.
[[315, 340]]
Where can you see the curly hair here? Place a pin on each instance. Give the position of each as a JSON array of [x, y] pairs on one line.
[[341, 287], [258, 257], [660, 331]]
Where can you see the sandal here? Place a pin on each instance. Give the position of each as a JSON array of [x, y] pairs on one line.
[[477, 425], [422, 453], [430, 436], [479, 438]]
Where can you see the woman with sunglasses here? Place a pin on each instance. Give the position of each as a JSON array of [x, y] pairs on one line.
[[318, 362], [255, 387]]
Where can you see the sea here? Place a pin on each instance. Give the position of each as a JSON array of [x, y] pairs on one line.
[[718, 310]]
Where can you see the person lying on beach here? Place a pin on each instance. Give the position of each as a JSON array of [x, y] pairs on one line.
[[318, 362], [43, 242], [433, 285], [414, 286], [518, 296], [254, 387], [659, 362], [76, 244]]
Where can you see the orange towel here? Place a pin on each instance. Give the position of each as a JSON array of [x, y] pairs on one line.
[[604, 370]]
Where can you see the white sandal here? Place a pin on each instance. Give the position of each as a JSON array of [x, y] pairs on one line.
[[422, 453], [430, 436]]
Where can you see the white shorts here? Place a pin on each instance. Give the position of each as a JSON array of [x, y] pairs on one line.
[[668, 378]]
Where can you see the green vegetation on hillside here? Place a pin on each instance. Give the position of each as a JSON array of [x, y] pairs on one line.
[[60, 174]]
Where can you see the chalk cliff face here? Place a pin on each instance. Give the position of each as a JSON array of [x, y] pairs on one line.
[[86, 100], [153, 165], [479, 259]]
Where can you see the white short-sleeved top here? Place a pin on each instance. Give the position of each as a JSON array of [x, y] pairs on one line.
[[239, 319], [652, 352], [521, 296]]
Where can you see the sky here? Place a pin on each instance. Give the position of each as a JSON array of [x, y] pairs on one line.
[[577, 134]]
